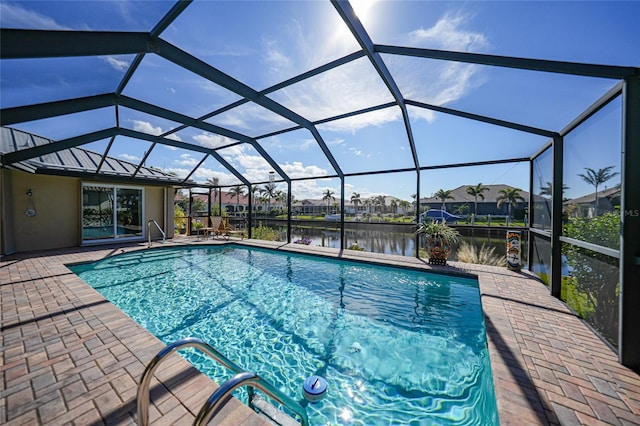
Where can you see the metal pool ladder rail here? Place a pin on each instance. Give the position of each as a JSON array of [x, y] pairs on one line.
[[223, 394], [164, 237]]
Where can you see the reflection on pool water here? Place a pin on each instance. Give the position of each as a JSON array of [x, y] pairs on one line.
[[396, 346]]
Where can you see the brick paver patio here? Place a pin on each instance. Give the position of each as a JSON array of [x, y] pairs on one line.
[[70, 357]]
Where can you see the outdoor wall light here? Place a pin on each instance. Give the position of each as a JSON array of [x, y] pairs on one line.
[[31, 208]]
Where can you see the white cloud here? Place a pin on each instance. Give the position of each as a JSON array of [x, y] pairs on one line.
[[116, 64], [186, 160], [357, 85], [253, 162], [348, 88], [129, 157], [448, 34], [146, 127], [15, 16], [252, 119], [276, 144], [274, 56], [447, 81], [224, 178], [232, 152], [297, 170], [180, 172], [210, 140]]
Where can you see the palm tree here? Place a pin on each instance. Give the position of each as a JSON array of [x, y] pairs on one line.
[[215, 182], [281, 197], [547, 190], [376, 205], [394, 206], [475, 192], [236, 192], [368, 203], [255, 192], [596, 178], [355, 200], [380, 200], [269, 190], [404, 205], [328, 196], [444, 195], [510, 196]]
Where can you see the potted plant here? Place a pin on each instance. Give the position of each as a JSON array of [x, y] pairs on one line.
[[439, 238]]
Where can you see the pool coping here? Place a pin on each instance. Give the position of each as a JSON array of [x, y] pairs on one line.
[[71, 357]]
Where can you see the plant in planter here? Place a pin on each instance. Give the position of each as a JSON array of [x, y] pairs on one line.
[[439, 238]]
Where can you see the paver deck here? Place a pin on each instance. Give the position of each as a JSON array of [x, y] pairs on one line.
[[71, 357]]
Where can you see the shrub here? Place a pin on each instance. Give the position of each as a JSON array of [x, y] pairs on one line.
[[594, 290], [356, 247], [470, 253], [262, 232]]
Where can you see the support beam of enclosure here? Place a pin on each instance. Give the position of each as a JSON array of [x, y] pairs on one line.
[[289, 202], [559, 67], [23, 44], [175, 11], [484, 119], [183, 145], [556, 217], [33, 112], [348, 15], [531, 213], [195, 65], [629, 343], [212, 128], [319, 70]]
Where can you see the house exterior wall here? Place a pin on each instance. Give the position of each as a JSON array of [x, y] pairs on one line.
[[57, 203], [55, 200], [155, 210]]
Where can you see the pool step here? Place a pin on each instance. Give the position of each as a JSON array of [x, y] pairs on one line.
[[271, 413]]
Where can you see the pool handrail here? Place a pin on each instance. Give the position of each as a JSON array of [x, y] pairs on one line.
[[266, 387], [223, 394], [164, 236]]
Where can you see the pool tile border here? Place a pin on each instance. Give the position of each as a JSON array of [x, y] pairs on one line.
[[70, 357]]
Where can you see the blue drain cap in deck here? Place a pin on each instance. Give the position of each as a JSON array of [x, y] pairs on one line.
[[314, 387]]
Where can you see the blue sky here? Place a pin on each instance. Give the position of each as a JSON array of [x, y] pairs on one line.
[[266, 42]]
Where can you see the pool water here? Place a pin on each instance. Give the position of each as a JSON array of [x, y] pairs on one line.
[[396, 346]]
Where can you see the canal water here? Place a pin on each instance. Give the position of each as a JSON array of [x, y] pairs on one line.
[[391, 238]]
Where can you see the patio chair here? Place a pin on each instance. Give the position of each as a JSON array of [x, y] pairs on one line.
[[214, 222], [226, 229]]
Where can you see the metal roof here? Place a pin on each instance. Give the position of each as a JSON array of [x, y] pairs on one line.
[[76, 161]]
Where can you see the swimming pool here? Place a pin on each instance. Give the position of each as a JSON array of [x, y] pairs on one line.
[[396, 346]]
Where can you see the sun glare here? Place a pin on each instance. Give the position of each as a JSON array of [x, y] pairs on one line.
[[362, 8]]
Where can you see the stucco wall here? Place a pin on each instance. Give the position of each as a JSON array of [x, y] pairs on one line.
[[57, 202], [155, 210]]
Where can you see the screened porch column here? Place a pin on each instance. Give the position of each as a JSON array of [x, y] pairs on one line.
[[556, 217], [629, 338]]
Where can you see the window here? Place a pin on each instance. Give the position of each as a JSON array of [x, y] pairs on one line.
[[111, 212]]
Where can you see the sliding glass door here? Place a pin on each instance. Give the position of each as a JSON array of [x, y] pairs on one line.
[[112, 212]]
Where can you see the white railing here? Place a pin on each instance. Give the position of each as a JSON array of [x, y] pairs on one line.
[[164, 237]]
